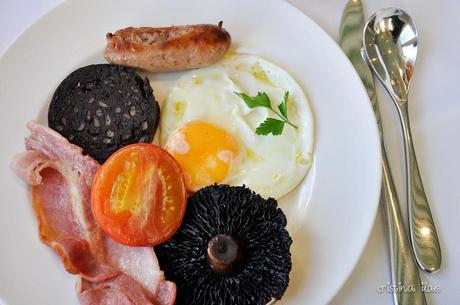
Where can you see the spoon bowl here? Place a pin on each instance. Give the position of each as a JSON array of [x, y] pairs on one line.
[[390, 42]]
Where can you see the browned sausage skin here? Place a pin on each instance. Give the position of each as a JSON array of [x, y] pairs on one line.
[[168, 48]]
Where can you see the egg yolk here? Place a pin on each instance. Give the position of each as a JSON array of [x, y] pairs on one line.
[[204, 152]]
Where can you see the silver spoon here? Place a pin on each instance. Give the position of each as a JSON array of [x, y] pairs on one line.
[[390, 44]]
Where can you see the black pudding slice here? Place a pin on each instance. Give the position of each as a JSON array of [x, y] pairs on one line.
[[104, 107]]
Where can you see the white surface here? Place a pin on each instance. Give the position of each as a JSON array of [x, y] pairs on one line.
[[435, 110], [341, 191]]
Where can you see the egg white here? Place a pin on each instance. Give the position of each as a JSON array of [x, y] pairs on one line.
[[270, 165]]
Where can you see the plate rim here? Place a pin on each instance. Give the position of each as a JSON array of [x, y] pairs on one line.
[[376, 133]]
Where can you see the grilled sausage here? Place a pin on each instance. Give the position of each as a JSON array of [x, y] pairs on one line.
[[168, 48]]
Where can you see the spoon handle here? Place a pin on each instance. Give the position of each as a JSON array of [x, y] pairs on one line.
[[424, 237], [404, 270]]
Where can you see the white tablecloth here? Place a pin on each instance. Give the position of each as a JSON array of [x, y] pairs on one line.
[[435, 118]]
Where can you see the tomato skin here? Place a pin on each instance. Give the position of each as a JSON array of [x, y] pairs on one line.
[[138, 196]]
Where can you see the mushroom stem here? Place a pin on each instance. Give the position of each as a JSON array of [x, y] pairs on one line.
[[224, 254]]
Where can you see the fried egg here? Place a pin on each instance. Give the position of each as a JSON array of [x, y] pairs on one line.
[[211, 131]]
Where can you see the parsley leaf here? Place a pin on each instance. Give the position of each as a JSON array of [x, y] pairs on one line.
[[260, 100], [270, 125], [283, 106]]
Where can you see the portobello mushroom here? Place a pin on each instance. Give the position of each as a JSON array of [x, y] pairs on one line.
[[232, 248]]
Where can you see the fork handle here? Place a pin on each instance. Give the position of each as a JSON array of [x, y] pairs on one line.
[[404, 271], [424, 237]]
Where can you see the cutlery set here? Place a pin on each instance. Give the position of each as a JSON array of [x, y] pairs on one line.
[[387, 47]]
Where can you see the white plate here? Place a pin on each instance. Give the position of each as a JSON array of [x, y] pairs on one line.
[[339, 198]]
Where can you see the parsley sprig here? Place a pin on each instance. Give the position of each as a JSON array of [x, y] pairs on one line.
[[270, 125]]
